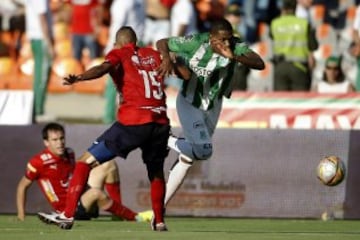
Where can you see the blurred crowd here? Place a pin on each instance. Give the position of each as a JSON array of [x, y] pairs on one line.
[[83, 30]]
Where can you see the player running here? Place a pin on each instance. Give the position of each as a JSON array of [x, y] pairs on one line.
[[142, 123], [211, 58]]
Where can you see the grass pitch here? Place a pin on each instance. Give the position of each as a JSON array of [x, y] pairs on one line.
[[182, 229]]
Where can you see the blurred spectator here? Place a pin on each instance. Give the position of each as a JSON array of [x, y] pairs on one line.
[[157, 22], [183, 18], [293, 43], [257, 11], [39, 32], [126, 13], [355, 52], [85, 25], [12, 20], [233, 14], [356, 25], [333, 80], [303, 10], [355, 46], [208, 11], [122, 13], [335, 13]]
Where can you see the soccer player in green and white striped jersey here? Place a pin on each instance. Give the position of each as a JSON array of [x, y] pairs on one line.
[[210, 59]]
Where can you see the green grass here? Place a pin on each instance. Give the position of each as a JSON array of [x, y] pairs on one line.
[[183, 229]]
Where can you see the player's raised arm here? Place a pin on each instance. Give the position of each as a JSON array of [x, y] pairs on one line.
[[90, 74], [251, 60]]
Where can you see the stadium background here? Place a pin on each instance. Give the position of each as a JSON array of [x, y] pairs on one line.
[[253, 172], [265, 173]]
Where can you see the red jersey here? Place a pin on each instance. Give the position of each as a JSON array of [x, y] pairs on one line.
[[82, 15], [135, 77], [52, 174]]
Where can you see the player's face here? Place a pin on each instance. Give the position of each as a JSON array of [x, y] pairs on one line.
[[55, 142], [222, 38]]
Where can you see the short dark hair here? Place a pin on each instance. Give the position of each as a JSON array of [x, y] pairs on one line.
[[221, 25], [127, 34], [289, 4], [52, 126]]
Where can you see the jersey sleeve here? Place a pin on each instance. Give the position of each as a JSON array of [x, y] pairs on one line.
[[185, 44], [113, 57], [33, 169], [241, 48]]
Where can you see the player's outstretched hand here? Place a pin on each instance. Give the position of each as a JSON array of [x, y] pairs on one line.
[[166, 67], [71, 79]]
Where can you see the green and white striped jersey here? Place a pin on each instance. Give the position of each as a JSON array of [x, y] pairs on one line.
[[211, 72]]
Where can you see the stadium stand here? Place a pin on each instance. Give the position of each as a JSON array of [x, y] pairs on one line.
[[325, 33], [61, 68], [317, 14], [7, 71]]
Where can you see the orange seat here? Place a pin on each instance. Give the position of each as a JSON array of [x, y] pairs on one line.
[[350, 16], [22, 82], [317, 14], [95, 86], [263, 31], [325, 33], [323, 52], [7, 71], [24, 75], [61, 68]]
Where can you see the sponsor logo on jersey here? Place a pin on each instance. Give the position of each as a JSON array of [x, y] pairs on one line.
[[184, 39], [64, 184], [200, 71], [147, 61]]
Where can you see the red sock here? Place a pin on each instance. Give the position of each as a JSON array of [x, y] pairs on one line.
[[121, 211], [76, 188], [157, 199], [113, 190]]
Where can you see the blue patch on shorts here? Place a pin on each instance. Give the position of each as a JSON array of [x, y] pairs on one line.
[[101, 152]]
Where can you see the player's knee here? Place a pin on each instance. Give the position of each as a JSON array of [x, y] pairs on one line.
[[202, 151], [94, 193]]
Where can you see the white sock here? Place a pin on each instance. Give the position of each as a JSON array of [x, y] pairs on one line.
[[177, 176]]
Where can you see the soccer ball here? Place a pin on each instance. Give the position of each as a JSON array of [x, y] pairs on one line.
[[331, 170]]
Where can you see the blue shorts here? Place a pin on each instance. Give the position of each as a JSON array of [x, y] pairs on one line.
[[120, 140]]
